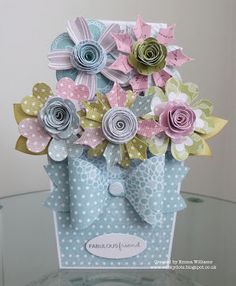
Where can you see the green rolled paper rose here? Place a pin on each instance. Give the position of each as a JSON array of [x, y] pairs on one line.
[[148, 56]]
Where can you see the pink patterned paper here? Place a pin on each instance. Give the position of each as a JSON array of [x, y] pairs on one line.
[[121, 64], [91, 137], [160, 78], [149, 128], [141, 29], [139, 83], [177, 58], [37, 138], [123, 42], [166, 35], [67, 88], [117, 96]]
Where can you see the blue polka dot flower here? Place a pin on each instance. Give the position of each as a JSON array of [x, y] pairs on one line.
[[84, 54], [48, 122]]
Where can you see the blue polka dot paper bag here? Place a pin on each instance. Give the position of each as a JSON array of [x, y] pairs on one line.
[[101, 225], [116, 129]]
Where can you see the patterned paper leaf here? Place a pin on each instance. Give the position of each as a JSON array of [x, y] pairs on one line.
[[160, 78], [158, 99], [94, 110], [148, 128], [19, 113], [88, 123], [59, 150], [121, 64], [98, 150], [179, 155], [112, 154], [191, 144], [205, 105], [117, 96], [130, 98], [67, 88], [137, 149], [203, 124], [204, 151], [181, 90], [177, 58], [197, 146], [91, 137], [139, 82], [142, 105], [125, 160], [22, 147], [37, 137], [141, 29], [158, 145], [166, 35], [123, 42], [31, 105], [104, 101], [219, 124]]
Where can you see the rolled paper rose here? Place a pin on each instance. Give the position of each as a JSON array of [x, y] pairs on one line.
[[177, 120], [148, 56], [119, 125], [88, 56], [58, 117]]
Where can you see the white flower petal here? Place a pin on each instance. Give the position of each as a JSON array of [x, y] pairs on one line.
[[198, 112], [179, 97], [180, 147], [182, 97], [172, 96], [155, 101], [199, 123], [188, 141], [159, 141]]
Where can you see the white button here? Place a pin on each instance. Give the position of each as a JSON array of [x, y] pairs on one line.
[[116, 189]]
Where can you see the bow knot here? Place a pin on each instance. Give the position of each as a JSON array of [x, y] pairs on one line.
[[91, 187]]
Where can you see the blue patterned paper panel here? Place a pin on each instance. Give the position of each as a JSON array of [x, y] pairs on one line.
[[118, 217]]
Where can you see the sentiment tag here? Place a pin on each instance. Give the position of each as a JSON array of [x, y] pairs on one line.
[[116, 246]]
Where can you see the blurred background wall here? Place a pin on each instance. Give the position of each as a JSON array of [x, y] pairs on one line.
[[204, 28]]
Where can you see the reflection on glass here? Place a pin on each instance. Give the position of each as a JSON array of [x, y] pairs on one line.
[[114, 278]]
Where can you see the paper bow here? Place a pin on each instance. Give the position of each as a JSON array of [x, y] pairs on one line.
[[142, 187], [91, 187]]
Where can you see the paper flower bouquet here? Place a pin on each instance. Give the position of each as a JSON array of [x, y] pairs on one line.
[[116, 130]]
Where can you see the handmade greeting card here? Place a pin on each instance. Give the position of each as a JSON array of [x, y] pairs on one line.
[[116, 129]]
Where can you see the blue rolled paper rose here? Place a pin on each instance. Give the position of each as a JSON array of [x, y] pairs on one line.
[[58, 117], [85, 54], [88, 56]]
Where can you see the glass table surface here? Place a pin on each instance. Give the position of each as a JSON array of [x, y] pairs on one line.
[[204, 248]]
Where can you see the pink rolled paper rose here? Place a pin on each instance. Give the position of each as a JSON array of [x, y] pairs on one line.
[[177, 120]]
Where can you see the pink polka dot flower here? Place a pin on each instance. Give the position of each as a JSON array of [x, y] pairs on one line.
[[49, 124]]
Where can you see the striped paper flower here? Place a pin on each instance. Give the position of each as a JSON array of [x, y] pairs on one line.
[[86, 55]]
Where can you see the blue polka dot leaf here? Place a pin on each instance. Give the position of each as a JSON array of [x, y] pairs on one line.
[[88, 204]]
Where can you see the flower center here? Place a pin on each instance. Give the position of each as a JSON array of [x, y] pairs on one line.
[[88, 56], [119, 125]]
